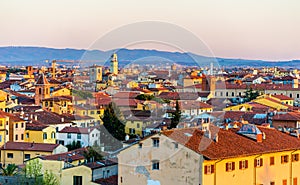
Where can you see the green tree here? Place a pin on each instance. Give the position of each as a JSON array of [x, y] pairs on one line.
[[113, 121], [144, 97], [176, 116], [251, 94], [33, 170], [74, 145], [93, 154], [49, 178], [10, 170]]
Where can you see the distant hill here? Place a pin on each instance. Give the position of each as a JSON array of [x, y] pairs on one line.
[[37, 56]]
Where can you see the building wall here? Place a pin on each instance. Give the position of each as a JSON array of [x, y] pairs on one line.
[[176, 165], [68, 173], [4, 130], [19, 156], [253, 175], [37, 136], [105, 172]]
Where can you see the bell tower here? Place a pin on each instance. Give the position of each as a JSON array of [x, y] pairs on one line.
[[114, 64], [42, 89]]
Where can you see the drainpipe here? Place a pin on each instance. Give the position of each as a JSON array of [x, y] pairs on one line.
[[215, 174], [291, 167], [254, 169]]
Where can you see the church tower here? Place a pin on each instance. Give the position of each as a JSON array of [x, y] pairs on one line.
[[114, 64], [42, 89]]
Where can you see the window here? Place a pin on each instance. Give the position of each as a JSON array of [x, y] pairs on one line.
[[155, 165], [1, 123], [10, 155], [176, 145], [16, 137], [22, 136], [45, 135], [295, 181], [92, 112], [77, 180], [295, 157], [284, 159], [22, 125], [131, 130], [53, 135], [69, 135], [209, 169], [0, 138], [16, 125], [272, 161], [232, 94], [27, 156], [140, 145], [78, 136], [226, 94], [298, 96], [284, 182], [243, 164], [27, 135], [258, 162], [155, 142], [272, 183], [221, 93], [230, 166], [98, 112]]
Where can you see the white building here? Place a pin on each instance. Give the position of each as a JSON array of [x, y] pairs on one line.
[[86, 136]]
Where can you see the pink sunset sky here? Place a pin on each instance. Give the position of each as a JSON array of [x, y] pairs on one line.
[[249, 29]]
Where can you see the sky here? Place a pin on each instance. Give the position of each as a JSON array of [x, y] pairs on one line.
[[248, 29]]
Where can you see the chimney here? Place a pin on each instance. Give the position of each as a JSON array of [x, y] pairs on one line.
[[264, 136], [216, 138], [259, 138]]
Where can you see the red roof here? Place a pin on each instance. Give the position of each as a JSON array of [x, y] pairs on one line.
[[71, 155], [43, 147], [289, 116], [282, 97], [76, 130], [231, 144]]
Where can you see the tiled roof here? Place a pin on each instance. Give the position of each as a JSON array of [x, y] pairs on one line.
[[42, 80], [67, 156], [231, 144], [282, 97], [76, 130], [100, 164], [289, 116], [112, 180], [193, 105], [43, 147]]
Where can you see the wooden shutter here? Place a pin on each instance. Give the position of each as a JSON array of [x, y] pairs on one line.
[[271, 160], [233, 166], [205, 169], [240, 164], [261, 162], [295, 181], [212, 168], [284, 182], [255, 162], [246, 164], [282, 159], [227, 167]]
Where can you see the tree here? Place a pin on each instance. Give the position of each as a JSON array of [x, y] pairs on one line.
[[10, 170], [251, 94], [176, 116], [113, 121], [74, 145], [33, 170], [50, 179], [93, 154]]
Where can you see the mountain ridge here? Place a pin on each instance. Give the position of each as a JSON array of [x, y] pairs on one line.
[[16, 55]]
